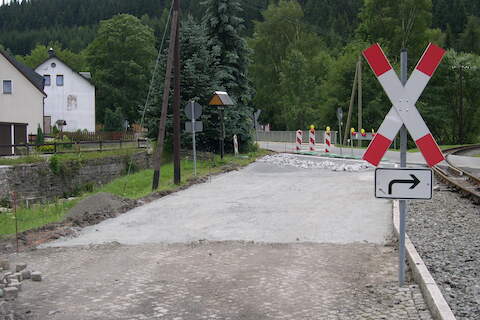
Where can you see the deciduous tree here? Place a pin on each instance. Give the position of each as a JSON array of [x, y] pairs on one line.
[[120, 59]]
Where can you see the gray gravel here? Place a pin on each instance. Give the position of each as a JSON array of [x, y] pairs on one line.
[[446, 232]]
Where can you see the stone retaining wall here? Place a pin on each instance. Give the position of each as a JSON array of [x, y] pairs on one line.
[[44, 181]]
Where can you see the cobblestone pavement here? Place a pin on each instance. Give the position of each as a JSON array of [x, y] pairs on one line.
[[220, 280]]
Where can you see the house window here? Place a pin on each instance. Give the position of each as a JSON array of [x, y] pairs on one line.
[[60, 80], [7, 86], [47, 80]]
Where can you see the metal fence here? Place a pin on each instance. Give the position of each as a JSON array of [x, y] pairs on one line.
[[290, 136], [71, 147]]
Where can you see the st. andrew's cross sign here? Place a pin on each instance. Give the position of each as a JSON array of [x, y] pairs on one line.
[[403, 99]]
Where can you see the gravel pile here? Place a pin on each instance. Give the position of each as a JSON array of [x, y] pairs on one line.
[[97, 208], [446, 232], [285, 160]]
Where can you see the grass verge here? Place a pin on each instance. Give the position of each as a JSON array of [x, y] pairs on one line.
[[134, 186], [79, 156]]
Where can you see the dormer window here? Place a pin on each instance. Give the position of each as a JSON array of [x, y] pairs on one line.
[[7, 86], [47, 80], [59, 80]]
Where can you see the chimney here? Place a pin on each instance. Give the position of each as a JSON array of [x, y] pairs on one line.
[[51, 52]]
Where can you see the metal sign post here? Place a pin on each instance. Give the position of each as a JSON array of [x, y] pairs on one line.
[[403, 164], [221, 100], [192, 105], [403, 116], [193, 110], [340, 117]]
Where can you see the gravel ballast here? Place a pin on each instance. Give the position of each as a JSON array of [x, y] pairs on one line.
[[446, 233]]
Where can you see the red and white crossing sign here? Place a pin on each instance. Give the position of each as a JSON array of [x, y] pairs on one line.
[[403, 99]]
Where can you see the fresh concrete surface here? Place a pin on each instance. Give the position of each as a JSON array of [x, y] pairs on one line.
[[262, 203], [147, 276]]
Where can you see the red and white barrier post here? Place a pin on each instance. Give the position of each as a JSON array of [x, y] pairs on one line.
[[235, 144], [328, 140], [311, 138], [299, 139]]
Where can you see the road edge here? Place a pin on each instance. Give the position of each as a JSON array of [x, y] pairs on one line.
[[437, 304]]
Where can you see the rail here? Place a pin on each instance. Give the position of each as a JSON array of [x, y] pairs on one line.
[[465, 182]]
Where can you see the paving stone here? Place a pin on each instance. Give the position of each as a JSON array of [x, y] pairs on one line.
[[4, 264], [19, 276], [36, 276], [20, 266], [15, 284], [26, 274], [231, 280], [10, 293]]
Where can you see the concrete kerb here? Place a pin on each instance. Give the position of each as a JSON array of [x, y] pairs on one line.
[[431, 292]]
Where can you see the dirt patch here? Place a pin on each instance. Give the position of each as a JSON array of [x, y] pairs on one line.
[[90, 211], [96, 208]]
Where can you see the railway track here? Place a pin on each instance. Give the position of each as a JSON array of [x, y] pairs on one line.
[[465, 182]]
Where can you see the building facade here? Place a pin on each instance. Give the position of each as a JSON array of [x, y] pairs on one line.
[[71, 96], [21, 102]]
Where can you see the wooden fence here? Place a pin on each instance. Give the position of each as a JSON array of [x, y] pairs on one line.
[[72, 147]]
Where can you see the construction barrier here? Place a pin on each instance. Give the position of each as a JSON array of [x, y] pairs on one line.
[[235, 144], [328, 140], [299, 139], [311, 138]]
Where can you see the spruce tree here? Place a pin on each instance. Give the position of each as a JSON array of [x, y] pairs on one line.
[[198, 80], [224, 27]]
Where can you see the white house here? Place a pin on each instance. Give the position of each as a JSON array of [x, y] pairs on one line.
[[21, 102], [71, 95]]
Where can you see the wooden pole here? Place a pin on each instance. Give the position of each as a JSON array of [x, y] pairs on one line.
[[163, 117], [176, 101], [360, 111], [350, 108]]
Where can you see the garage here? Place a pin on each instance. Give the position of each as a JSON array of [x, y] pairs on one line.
[[19, 131]]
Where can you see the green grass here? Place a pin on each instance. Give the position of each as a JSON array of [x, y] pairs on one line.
[[134, 186], [34, 217], [21, 160], [68, 156], [139, 184]]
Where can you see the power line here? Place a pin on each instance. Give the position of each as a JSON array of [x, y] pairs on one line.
[[150, 89]]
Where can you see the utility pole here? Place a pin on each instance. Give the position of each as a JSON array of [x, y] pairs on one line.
[[350, 108], [360, 111], [157, 157], [176, 101]]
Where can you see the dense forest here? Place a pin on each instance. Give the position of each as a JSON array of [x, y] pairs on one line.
[[295, 60]]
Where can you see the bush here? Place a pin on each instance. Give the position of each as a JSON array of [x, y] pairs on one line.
[[46, 149], [40, 137]]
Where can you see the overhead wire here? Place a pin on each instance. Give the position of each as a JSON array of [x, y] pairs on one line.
[[150, 89]]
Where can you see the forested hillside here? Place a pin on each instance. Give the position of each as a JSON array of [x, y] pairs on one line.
[[293, 59]]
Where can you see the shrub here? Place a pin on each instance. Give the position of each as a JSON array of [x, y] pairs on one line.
[[46, 149], [40, 137]]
